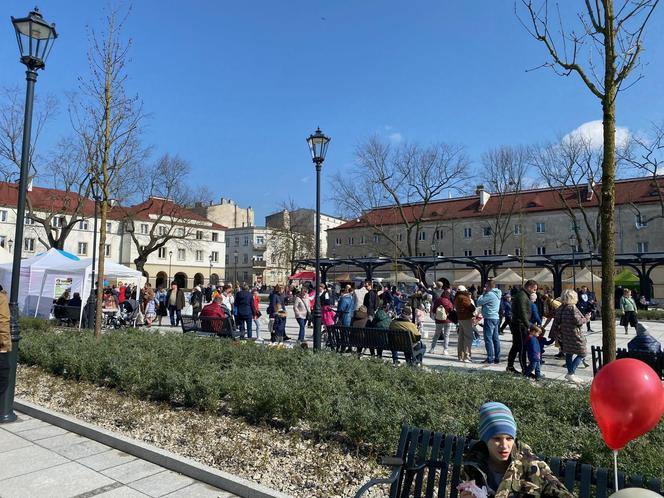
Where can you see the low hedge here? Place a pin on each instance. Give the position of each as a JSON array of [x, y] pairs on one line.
[[646, 314], [334, 395]]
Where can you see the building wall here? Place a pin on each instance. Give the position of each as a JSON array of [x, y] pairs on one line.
[[226, 213]]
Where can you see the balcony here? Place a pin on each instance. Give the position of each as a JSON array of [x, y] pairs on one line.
[[259, 246], [259, 264]]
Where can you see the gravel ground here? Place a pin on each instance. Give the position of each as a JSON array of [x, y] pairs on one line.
[[290, 461]]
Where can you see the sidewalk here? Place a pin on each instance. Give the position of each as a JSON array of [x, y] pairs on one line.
[[41, 460]]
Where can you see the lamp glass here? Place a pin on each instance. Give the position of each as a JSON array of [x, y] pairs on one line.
[[318, 143], [35, 39]]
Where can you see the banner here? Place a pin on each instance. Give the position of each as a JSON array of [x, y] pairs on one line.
[[62, 285]]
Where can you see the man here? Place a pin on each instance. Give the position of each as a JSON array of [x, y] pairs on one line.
[[211, 316], [244, 304], [360, 292], [585, 304], [521, 314], [196, 301], [404, 323], [175, 303], [490, 303], [5, 344], [370, 300]]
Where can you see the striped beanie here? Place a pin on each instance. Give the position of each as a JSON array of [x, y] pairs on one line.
[[496, 418]]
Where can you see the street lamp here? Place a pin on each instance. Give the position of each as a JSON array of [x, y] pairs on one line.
[[572, 244], [433, 253], [92, 296], [318, 147], [210, 272], [170, 263], [35, 39]]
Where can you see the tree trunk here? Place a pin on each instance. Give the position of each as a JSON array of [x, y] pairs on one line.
[[140, 263], [100, 268], [607, 213]]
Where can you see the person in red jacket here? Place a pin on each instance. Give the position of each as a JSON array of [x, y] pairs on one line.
[[442, 325], [211, 316]]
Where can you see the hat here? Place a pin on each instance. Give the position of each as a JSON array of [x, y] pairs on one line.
[[462, 288], [496, 418], [641, 329]]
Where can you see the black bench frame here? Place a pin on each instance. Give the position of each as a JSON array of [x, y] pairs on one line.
[[342, 339], [654, 360], [426, 460], [67, 315], [200, 327]]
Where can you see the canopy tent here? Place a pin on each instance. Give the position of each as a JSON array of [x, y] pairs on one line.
[[627, 279], [80, 273], [583, 277], [344, 277], [400, 277], [471, 277], [508, 277], [303, 275], [30, 283], [544, 277], [5, 256]]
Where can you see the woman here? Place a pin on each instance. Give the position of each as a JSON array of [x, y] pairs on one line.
[[301, 309], [257, 315], [345, 308], [465, 309], [443, 323], [160, 296], [628, 307], [499, 465], [567, 330]]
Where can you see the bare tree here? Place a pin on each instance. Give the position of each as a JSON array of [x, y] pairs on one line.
[[645, 153], [391, 188], [107, 122], [291, 238], [612, 41], [166, 191], [505, 173]]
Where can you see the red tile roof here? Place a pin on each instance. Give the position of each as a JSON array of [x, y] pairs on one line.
[[156, 207], [637, 190]]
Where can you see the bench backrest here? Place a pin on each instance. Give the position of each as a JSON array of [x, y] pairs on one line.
[[654, 360], [220, 326], [341, 337], [433, 461]]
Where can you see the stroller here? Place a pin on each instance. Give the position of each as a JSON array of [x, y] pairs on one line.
[[127, 315]]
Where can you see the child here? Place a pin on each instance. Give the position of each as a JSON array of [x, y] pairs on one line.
[[279, 328], [419, 318], [534, 352]]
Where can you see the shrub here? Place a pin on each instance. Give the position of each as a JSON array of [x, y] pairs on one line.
[[365, 400]]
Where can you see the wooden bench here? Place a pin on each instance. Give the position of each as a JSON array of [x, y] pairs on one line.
[[428, 464], [654, 360], [342, 339], [209, 326]]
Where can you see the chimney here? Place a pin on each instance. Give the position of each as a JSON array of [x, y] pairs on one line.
[[484, 196]]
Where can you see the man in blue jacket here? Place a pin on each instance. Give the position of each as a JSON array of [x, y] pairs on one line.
[[490, 303], [246, 309], [644, 342]]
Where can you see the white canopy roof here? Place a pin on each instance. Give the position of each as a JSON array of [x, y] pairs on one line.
[[471, 277], [583, 277], [544, 277], [508, 277]]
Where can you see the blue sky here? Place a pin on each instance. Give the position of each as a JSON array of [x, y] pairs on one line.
[[236, 87]]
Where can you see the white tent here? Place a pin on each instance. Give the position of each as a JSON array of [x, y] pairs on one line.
[[508, 277], [5, 256], [81, 273], [30, 284], [471, 277], [583, 277], [544, 277]]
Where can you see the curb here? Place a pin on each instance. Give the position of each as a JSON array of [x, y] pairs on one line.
[[168, 460]]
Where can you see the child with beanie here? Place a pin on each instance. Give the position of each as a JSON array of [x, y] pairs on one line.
[[499, 465]]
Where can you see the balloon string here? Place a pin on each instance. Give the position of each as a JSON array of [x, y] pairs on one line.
[[615, 468]]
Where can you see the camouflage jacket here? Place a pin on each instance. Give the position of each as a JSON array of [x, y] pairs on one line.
[[526, 474]]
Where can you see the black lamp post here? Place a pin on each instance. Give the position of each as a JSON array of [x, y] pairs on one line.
[[92, 298], [35, 39], [170, 263], [572, 244], [433, 253], [235, 256], [318, 146]]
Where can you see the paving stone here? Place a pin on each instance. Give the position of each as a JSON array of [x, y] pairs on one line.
[[42, 432], [162, 483], [25, 460], [200, 490], [24, 423], [132, 471], [9, 441], [73, 446], [106, 460], [123, 492], [52, 483]]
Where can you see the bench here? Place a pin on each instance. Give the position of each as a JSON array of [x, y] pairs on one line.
[[654, 360], [209, 327], [428, 464], [68, 315], [342, 339]]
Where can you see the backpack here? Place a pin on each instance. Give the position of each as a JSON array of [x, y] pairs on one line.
[[441, 314]]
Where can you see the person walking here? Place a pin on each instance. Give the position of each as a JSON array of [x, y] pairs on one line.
[[567, 329], [257, 315], [175, 303], [465, 309], [196, 301], [245, 309], [521, 314], [162, 309], [585, 305], [628, 307], [370, 300], [506, 312], [301, 310], [345, 309], [442, 307], [276, 297], [490, 303]]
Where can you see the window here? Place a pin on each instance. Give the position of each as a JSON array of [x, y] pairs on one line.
[[226, 259], [58, 221], [487, 231], [162, 230], [109, 227], [3, 215], [517, 229], [258, 258], [144, 228], [83, 225], [488, 252], [199, 255], [215, 257], [107, 250], [215, 237], [467, 253], [3, 241], [236, 258], [376, 238], [82, 248], [161, 253], [199, 234], [541, 250], [29, 245], [362, 240], [237, 241], [245, 258], [260, 240], [246, 241], [517, 251], [180, 232], [182, 254], [350, 241], [539, 227], [641, 222], [641, 247], [422, 236], [467, 233], [246, 276], [29, 221], [399, 237], [337, 241]]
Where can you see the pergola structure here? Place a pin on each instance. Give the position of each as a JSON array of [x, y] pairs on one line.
[[642, 263]]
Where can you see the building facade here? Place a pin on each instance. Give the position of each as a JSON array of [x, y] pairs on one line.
[[304, 221], [226, 213]]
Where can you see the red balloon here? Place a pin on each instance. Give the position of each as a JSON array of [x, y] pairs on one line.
[[627, 398]]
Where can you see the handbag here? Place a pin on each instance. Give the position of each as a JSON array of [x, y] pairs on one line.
[[453, 316]]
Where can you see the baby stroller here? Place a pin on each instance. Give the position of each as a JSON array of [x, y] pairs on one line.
[[126, 316]]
